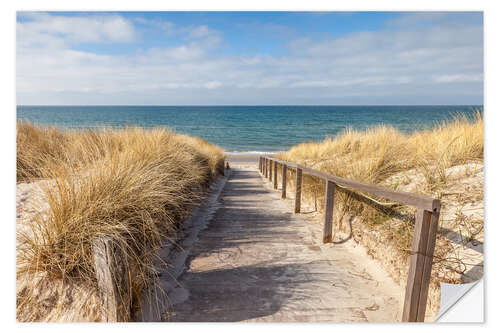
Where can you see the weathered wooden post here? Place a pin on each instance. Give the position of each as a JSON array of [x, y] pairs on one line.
[[265, 167], [283, 181], [329, 204], [419, 273], [112, 274], [271, 170], [275, 180], [298, 190], [268, 168]]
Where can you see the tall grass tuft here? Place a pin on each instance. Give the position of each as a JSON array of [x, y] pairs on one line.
[[380, 152], [132, 185]]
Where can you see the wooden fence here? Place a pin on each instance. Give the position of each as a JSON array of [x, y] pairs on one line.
[[424, 237]]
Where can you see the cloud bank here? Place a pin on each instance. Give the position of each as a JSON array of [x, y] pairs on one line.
[[440, 63]]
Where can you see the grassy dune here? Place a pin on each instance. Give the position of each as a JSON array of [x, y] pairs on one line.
[[380, 152], [442, 162], [133, 185]]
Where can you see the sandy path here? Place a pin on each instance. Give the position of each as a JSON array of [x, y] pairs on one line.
[[256, 261]]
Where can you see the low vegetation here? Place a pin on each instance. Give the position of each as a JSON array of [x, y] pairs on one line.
[[132, 185], [380, 152], [445, 162]]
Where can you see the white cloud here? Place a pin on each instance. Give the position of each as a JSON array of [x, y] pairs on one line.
[[458, 78], [412, 18], [52, 30], [163, 25], [427, 65], [212, 84], [200, 32]]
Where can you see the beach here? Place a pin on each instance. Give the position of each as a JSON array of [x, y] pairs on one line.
[[56, 191], [243, 160], [248, 165]]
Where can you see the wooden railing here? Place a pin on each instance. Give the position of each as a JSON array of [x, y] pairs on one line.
[[424, 236]]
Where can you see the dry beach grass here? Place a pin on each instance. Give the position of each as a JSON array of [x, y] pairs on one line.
[[133, 185], [445, 162]]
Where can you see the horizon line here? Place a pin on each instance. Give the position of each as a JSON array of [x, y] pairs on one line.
[[482, 104]]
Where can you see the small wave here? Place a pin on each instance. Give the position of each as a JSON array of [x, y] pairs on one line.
[[236, 153]]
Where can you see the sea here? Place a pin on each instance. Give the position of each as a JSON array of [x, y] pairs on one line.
[[249, 129]]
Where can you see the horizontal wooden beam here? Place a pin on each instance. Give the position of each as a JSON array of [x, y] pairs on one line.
[[412, 199]]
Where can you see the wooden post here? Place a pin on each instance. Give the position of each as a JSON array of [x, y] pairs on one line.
[[429, 256], [112, 274], [419, 273], [298, 190], [265, 167], [329, 203], [271, 170], [275, 180], [283, 181]]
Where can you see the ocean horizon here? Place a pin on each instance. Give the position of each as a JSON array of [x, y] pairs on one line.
[[248, 129]]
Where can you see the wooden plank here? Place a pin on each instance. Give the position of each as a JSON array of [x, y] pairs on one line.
[[329, 203], [112, 272], [298, 190], [415, 272], [429, 254], [412, 199], [275, 180], [283, 181]]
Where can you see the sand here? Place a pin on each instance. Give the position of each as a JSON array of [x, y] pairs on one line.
[[243, 161]]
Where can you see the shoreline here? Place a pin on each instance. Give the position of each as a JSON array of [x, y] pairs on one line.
[[245, 157]]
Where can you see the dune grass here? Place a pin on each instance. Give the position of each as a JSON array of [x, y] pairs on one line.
[[376, 154], [385, 156], [132, 185], [380, 152]]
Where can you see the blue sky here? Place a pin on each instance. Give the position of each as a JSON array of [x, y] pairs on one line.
[[213, 58]]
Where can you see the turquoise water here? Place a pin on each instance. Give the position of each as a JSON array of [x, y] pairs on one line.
[[247, 128]]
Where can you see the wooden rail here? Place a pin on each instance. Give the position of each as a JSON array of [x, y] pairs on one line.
[[424, 236]]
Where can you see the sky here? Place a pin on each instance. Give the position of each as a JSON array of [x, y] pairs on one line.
[[249, 58]]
